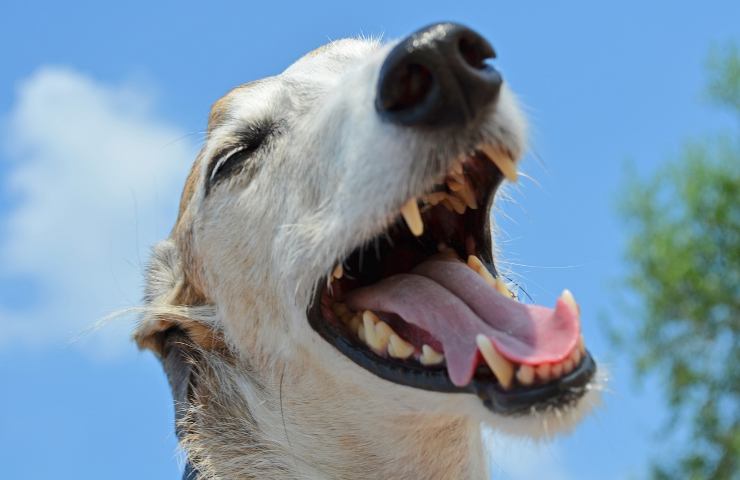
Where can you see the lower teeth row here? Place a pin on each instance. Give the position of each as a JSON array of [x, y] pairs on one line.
[[381, 338]]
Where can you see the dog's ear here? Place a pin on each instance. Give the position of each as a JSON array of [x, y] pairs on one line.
[[172, 301]]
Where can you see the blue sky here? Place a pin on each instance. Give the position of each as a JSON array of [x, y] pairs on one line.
[[101, 109]]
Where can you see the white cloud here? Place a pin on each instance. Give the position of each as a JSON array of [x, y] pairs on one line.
[[516, 458], [96, 177]]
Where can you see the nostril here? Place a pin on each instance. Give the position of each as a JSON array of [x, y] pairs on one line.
[[406, 87], [475, 52]]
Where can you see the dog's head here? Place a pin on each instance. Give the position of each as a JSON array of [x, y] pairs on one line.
[[336, 223]]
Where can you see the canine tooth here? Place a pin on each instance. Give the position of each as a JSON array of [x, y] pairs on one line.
[[556, 370], [501, 160], [525, 375], [338, 271], [399, 348], [412, 217], [581, 345], [430, 356], [567, 297], [383, 333], [544, 372], [502, 368]]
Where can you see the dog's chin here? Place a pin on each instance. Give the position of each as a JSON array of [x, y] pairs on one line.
[[382, 306]]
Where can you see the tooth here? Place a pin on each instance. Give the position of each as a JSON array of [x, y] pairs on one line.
[[435, 197], [525, 375], [476, 264], [361, 332], [355, 322], [338, 271], [556, 370], [399, 348], [502, 368], [503, 289], [430, 356], [544, 372], [383, 333], [567, 297], [467, 196], [457, 204], [457, 167], [501, 160], [568, 366], [368, 330], [581, 345], [455, 186], [410, 213]]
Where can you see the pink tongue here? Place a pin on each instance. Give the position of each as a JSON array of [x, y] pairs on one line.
[[453, 303]]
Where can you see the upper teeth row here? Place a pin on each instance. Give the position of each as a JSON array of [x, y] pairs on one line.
[[462, 194]]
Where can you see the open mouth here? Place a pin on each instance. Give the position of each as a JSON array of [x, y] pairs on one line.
[[422, 305]]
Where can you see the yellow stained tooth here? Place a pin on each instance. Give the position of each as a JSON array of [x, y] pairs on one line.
[[569, 300], [581, 345], [502, 368], [476, 264], [435, 197], [368, 314], [467, 195], [355, 322], [412, 216], [399, 348], [457, 204], [383, 333], [544, 372], [430, 356], [556, 370], [503, 289], [369, 331], [455, 186], [338, 271], [525, 375], [457, 167], [501, 160], [361, 332]]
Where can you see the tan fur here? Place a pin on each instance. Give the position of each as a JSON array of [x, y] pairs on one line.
[[271, 399]]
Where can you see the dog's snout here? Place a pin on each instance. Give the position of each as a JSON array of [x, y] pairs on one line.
[[438, 76]]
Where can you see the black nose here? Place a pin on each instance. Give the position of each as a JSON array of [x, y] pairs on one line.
[[437, 77]]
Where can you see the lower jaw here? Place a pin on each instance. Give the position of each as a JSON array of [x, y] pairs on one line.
[[561, 392]]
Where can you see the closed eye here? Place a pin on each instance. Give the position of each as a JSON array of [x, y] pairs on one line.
[[233, 159]]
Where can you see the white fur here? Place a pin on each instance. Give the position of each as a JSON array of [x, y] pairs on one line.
[[284, 403]]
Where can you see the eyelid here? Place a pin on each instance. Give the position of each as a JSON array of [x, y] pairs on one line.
[[223, 158]]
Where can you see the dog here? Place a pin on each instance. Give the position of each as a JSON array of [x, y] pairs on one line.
[[327, 304]]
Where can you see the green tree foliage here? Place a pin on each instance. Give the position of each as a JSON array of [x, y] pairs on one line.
[[683, 260]]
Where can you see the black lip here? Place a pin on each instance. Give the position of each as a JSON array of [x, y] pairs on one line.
[[518, 401]]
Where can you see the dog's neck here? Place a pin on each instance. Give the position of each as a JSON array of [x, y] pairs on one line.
[[294, 423]]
